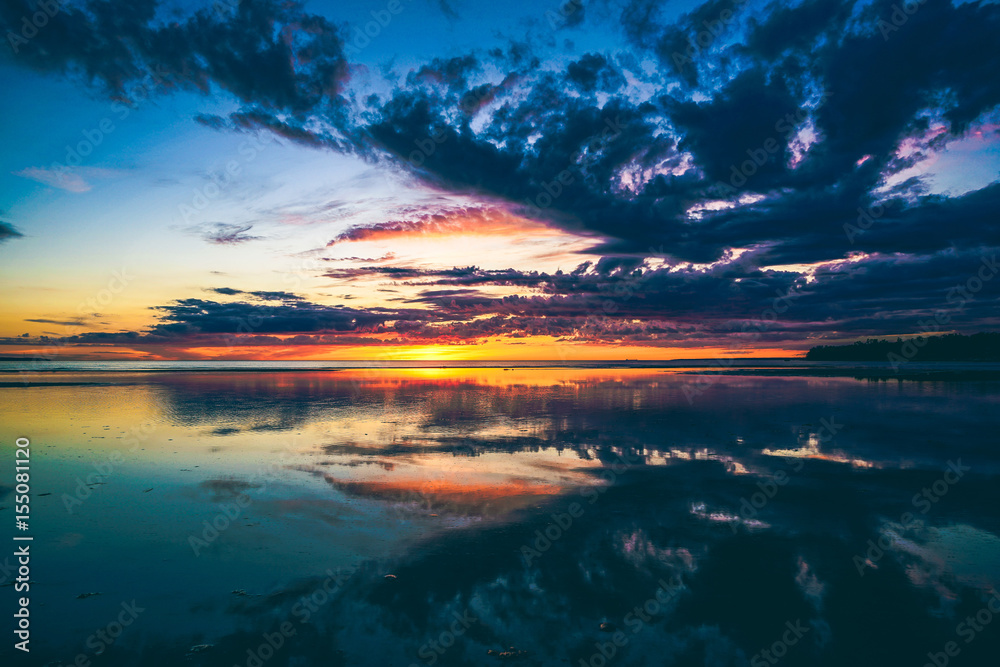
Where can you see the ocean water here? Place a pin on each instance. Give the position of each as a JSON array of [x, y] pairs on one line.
[[313, 515]]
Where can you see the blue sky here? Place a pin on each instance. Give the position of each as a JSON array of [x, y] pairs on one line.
[[319, 137]]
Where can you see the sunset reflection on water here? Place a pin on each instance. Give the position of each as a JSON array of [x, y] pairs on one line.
[[441, 477]]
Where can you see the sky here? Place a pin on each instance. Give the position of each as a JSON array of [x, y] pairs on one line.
[[455, 179]]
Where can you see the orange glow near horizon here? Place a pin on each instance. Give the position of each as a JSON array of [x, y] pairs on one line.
[[538, 348]]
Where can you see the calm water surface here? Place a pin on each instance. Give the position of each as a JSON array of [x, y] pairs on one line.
[[447, 516]]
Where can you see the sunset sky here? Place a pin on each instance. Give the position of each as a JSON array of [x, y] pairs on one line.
[[477, 180]]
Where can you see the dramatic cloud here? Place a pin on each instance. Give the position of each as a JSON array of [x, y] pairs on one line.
[[63, 323], [225, 234], [264, 296], [189, 316], [783, 135], [269, 54], [620, 301], [442, 222], [8, 232]]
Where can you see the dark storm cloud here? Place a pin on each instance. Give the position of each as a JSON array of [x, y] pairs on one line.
[[587, 144], [201, 316], [688, 45], [594, 71], [274, 319], [742, 115], [679, 296], [766, 64], [227, 291], [266, 53], [8, 232], [884, 76], [795, 28], [477, 97], [211, 322], [861, 92], [453, 73], [622, 166], [263, 295], [617, 301], [822, 225]]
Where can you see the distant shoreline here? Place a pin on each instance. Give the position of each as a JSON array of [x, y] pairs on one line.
[[861, 373], [942, 371], [980, 347], [266, 365]]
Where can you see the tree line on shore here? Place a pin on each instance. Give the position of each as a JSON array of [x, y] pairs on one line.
[[948, 347]]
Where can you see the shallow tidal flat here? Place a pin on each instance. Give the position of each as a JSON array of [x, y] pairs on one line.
[[528, 516]]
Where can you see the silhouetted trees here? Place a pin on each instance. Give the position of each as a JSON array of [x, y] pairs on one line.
[[949, 347]]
